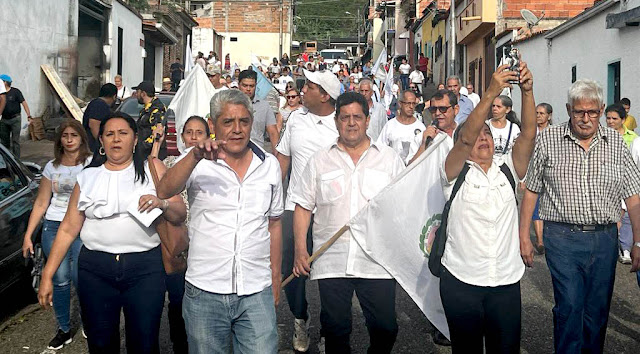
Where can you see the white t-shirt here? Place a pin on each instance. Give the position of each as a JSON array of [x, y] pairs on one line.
[[285, 78], [404, 69], [400, 136], [63, 179], [416, 77], [335, 68], [304, 134], [124, 92], [2, 89], [500, 136]]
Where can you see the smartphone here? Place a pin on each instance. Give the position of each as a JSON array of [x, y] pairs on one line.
[[511, 56]]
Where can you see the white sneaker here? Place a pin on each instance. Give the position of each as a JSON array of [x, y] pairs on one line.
[[301, 334], [625, 257]]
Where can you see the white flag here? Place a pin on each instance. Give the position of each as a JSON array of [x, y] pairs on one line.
[[193, 98], [188, 57], [379, 64], [397, 227]]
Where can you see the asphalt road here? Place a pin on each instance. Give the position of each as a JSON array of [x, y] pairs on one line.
[[27, 329]]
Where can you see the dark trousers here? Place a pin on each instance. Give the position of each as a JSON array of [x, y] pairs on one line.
[[177, 332], [476, 314], [295, 291], [583, 270], [109, 283], [10, 134], [377, 299]]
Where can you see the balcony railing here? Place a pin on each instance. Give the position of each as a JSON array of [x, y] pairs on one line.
[[390, 23]]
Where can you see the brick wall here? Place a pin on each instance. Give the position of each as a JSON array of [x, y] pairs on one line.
[[262, 16], [552, 9]]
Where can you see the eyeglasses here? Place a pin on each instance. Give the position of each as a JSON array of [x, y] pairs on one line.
[[442, 109], [291, 96], [592, 113]]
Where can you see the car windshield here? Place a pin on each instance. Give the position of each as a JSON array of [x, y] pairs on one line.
[[333, 55], [133, 108]]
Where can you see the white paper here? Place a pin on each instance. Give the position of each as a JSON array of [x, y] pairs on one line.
[[144, 218]]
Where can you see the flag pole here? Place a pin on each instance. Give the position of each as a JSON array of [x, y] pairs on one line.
[[320, 251]]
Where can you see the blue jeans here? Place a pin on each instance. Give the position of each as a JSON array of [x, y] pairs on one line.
[[582, 266], [214, 320], [66, 273], [404, 79]]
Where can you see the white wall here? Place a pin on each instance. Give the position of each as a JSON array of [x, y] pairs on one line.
[[133, 63], [35, 34], [201, 40], [260, 44], [157, 81], [591, 47]]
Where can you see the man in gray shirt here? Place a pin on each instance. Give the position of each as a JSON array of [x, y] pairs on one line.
[[263, 117]]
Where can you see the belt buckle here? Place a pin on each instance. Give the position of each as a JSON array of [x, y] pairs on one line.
[[589, 228]]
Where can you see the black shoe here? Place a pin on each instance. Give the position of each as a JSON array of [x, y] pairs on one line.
[[60, 340], [440, 339]]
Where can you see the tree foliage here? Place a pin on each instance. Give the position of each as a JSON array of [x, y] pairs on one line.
[[322, 19]]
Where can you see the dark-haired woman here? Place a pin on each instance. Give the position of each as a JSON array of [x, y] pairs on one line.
[[504, 125], [120, 264], [71, 154], [195, 130]]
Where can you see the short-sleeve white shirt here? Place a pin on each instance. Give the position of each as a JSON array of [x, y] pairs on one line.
[[304, 134], [63, 180], [404, 69], [339, 189], [400, 136], [483, 245], [377, 120], [229, 240]]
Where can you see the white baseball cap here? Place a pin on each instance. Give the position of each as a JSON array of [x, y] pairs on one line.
[[326, 79]]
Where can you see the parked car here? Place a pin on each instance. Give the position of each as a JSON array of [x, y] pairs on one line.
[[18, 191], [131, 107], [342, 55]]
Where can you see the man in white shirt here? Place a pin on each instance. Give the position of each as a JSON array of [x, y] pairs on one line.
[[377, 112], [264, 116], [338, 182], [399, 133], [474, 97], [235, 197], [214, 73], [417, 77], [306, 132], [404, 69], [465, 104]]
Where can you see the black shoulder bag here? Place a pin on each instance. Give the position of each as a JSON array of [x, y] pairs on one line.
[[437, 248]]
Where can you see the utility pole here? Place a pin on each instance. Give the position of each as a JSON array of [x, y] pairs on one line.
[[452, 42], [358, 24]]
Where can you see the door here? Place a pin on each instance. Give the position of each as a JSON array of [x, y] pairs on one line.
[[613, 83], [149, 71]]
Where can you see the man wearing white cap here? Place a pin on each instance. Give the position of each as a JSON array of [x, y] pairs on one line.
[[306, 132]]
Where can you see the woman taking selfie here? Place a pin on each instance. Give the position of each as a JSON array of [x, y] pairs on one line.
[[71, 155], [120, 264]]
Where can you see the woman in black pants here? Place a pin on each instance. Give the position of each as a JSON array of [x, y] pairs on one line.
[[482, 267], [120, 265]]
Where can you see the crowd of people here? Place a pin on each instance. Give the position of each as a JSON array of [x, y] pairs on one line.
[[264, 183]]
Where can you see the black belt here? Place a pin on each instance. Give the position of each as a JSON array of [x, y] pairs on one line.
[[586, 228]]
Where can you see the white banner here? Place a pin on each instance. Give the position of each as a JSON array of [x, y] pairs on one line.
[[398, 225], [382, 59], [188, 57], [193, 98]]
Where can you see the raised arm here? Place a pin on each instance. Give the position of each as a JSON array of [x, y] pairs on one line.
[[525, 142], [475, 122]]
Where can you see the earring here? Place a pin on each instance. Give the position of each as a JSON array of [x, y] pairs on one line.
[[101, 151]]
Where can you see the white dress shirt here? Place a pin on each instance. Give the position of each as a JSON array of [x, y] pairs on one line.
[[377, 120], [229, 247], [304, 134], [483, 244], [339, 190]]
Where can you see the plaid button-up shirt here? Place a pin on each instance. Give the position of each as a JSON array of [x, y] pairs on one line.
[[578, 186]]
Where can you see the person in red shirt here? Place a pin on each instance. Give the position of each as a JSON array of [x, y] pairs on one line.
[[423, 64]]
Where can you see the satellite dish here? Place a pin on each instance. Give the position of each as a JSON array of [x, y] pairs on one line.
[[531, 19]]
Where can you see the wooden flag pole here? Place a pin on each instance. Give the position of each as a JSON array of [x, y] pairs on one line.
[[319, 252]]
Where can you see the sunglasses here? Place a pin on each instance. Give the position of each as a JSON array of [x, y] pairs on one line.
[[291, 96], [442, 109]]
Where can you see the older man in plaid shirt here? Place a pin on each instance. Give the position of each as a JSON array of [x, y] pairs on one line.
[[581, 171]]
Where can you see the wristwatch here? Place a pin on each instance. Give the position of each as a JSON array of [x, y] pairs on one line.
[[637, 244]]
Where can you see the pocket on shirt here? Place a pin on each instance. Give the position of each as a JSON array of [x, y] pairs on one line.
[[474, 193], [331, 186], [373, 182], [258, 198], [506, 192]]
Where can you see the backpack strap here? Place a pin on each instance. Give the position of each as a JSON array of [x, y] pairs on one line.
[[458, 183], [507, 172]]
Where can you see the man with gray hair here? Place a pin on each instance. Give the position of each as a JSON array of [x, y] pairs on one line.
[[377, 112], [465, 104], [235, 246], [581, 170]]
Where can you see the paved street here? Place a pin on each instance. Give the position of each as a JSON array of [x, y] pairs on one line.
[[27, 329]]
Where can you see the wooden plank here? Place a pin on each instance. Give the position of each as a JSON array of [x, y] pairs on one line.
[[62, 91]]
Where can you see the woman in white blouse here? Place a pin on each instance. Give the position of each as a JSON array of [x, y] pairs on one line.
[[482, 265], [71, 154], [120, 265]]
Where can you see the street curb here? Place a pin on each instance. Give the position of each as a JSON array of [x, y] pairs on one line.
[[24, 312]]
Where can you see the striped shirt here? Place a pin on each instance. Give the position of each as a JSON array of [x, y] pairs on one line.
[[578, 186]]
